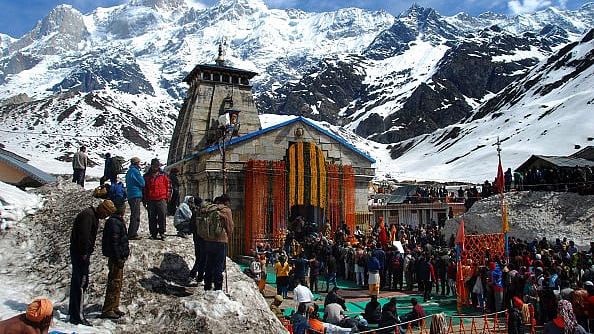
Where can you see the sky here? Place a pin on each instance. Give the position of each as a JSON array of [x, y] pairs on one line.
[[16, 18]]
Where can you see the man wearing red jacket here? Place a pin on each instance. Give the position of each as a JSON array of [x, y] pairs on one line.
[[155, 195]]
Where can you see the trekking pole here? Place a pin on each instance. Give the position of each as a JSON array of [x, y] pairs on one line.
[[226, 280]]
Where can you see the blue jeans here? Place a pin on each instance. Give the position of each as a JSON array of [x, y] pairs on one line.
[[134, 216], [331, 277]]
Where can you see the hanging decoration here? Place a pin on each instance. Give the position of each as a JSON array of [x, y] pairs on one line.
[[323, 195], [279, 202], [292, 158], [314, 177], [348, 196], [304, 178], [307, 175], [333, 194], [300, 174], [256, 193]]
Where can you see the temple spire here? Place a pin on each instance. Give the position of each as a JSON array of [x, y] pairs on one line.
[[220, 59]]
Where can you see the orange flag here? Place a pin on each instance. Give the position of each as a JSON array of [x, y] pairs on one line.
[[460, 236]]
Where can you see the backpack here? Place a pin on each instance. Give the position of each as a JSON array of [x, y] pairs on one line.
[[208, 222], [361, 261], [396, 261], [102, 191], [117, 190], [116, 165]]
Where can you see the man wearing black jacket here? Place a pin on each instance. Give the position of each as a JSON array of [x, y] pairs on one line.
[[373, 311], [115, 246], [82, 245]]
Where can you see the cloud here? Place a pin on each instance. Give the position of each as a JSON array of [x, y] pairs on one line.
[[527, 6], [563, 4]]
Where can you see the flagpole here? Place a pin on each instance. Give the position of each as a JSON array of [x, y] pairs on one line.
[[460, 296], [504, 221]]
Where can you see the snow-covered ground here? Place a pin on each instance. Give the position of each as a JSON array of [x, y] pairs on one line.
[[34, 242]]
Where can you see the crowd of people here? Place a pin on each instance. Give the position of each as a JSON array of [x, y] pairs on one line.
[[556, 278], [158, 192], [538, 272]]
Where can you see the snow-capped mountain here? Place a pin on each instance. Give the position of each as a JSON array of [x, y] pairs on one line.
[[548, 112], [112, 79]]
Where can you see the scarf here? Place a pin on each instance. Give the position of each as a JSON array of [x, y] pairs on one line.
[[566, 318]]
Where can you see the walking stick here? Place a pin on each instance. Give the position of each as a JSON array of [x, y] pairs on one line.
[[226, 280]]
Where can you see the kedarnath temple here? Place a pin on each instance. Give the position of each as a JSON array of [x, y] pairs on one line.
[[272, 175]]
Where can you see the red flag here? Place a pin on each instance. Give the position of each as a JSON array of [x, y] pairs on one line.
[[500, 178], [460, 236]]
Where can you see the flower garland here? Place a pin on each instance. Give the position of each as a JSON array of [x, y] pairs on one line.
[[279, 204], [313, 159], [307, 176], [300, 174], [323, 179], [292, 174], [333, 194], [348, 195]]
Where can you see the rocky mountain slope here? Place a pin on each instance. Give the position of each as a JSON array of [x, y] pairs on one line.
[[532, 214]]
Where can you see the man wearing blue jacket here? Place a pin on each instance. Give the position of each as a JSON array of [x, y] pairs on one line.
[[134, 184]]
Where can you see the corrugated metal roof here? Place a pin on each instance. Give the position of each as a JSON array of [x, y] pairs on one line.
[[401, 193], [585, 153], [565, 161], [21, 164], [557, 161]]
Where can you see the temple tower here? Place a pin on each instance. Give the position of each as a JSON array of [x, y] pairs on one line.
[[219, 104]]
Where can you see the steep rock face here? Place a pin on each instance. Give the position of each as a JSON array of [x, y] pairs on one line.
[[97, 120], [16, 64], [416, 23], [321, 95], [61, 31], [118, 71], [513, 93], [123, 25], [470, 70]]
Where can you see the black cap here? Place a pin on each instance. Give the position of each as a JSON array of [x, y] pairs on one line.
[[224, 198]]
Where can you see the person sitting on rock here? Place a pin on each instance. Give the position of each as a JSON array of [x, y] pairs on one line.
[[36, 320]]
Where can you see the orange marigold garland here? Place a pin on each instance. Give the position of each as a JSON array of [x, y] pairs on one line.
[[255, 194], [292, 174], [323, 179], [279, 198], [249, 196], [313, 160], [333, 193], [348, 196], [300, 174]]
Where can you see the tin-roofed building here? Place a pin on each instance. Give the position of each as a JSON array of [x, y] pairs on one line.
[[15, 170]]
